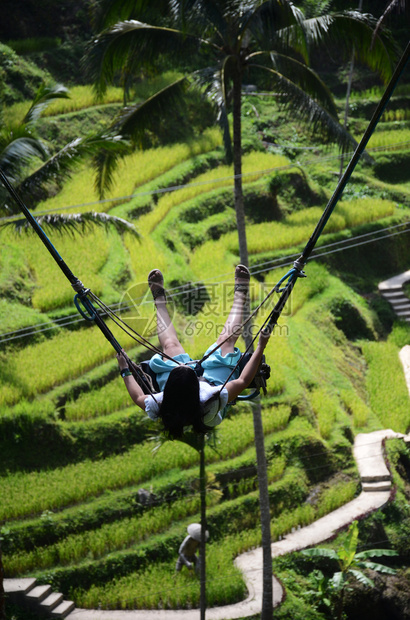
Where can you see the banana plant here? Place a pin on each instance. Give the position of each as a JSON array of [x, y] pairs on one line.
[[351, 565]]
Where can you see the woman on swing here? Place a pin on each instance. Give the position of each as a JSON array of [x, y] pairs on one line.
[[186, 400]]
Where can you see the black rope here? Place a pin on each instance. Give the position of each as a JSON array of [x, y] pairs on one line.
[[301, 261], [81, 291], [129, 330], [291, 276]]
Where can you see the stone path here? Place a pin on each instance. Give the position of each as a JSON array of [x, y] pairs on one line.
[[376, 489], [392, 290], [405, 360]]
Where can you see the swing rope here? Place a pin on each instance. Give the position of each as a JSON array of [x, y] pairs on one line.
[[297, 270], [89, 311], [129, 330]]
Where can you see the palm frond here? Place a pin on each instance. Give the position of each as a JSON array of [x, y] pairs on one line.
[[130, 45], [279, 25], [189, 437], [306, 107], [135, 121], [302, 76], [215, 83], [62, 164], [104, 163], [73, 223], [42, 99], [108, 12], [19, 153], [399, 4], [354, 30], [208, 17]]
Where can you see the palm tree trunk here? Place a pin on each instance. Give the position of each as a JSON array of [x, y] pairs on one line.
[[202, 486], [2, 598], [267, 596], [237, 168], [348, 91]]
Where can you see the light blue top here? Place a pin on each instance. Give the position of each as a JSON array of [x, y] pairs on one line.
[[217, 367]]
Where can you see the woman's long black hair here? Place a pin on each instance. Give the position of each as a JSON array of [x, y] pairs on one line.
[[181, 405]]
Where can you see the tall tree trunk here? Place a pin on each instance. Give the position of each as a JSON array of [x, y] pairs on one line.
[[2, 598], [348, 91], [202, 486], [267, 596], [237, 169]]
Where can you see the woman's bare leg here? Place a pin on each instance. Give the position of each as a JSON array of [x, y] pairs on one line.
[[233, 325], [167, 335]]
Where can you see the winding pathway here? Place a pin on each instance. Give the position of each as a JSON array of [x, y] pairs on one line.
[[376, 489]]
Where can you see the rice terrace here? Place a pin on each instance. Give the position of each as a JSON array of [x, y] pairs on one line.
[[186, 139]]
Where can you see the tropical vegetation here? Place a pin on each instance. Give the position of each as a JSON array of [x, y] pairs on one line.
[[75, 453]]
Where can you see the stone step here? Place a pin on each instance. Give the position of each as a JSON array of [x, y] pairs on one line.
[[376, 478], [384, 288], [394, 295], [397, 301], [372, 487], [19, 586], [65, 608], [401, 305], [52, 600], [38, 594], [403, 313]]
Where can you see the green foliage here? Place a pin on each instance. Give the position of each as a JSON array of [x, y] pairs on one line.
[[400, 334], [78, 523], [392, 167], [387, 388], [326, 408], [355, 407], [349, 319], [28, 441], [159, 585], [294, 190], [351, 564], [20, 78]]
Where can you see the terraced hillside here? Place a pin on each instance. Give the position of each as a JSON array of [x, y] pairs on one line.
[[75, 452]]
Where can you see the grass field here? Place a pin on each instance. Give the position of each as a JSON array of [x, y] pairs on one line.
[[76, 521]]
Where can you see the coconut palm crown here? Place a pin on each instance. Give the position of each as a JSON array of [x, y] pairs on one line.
[[26, 161], [232, 41]]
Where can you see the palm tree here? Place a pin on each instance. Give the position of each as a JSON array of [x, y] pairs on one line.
[[351, 564], [229, 41], [21, 148], [235, 39], [399, 5]]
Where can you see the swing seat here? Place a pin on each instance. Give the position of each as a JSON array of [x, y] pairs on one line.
[[151, 375], [258, 382]]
